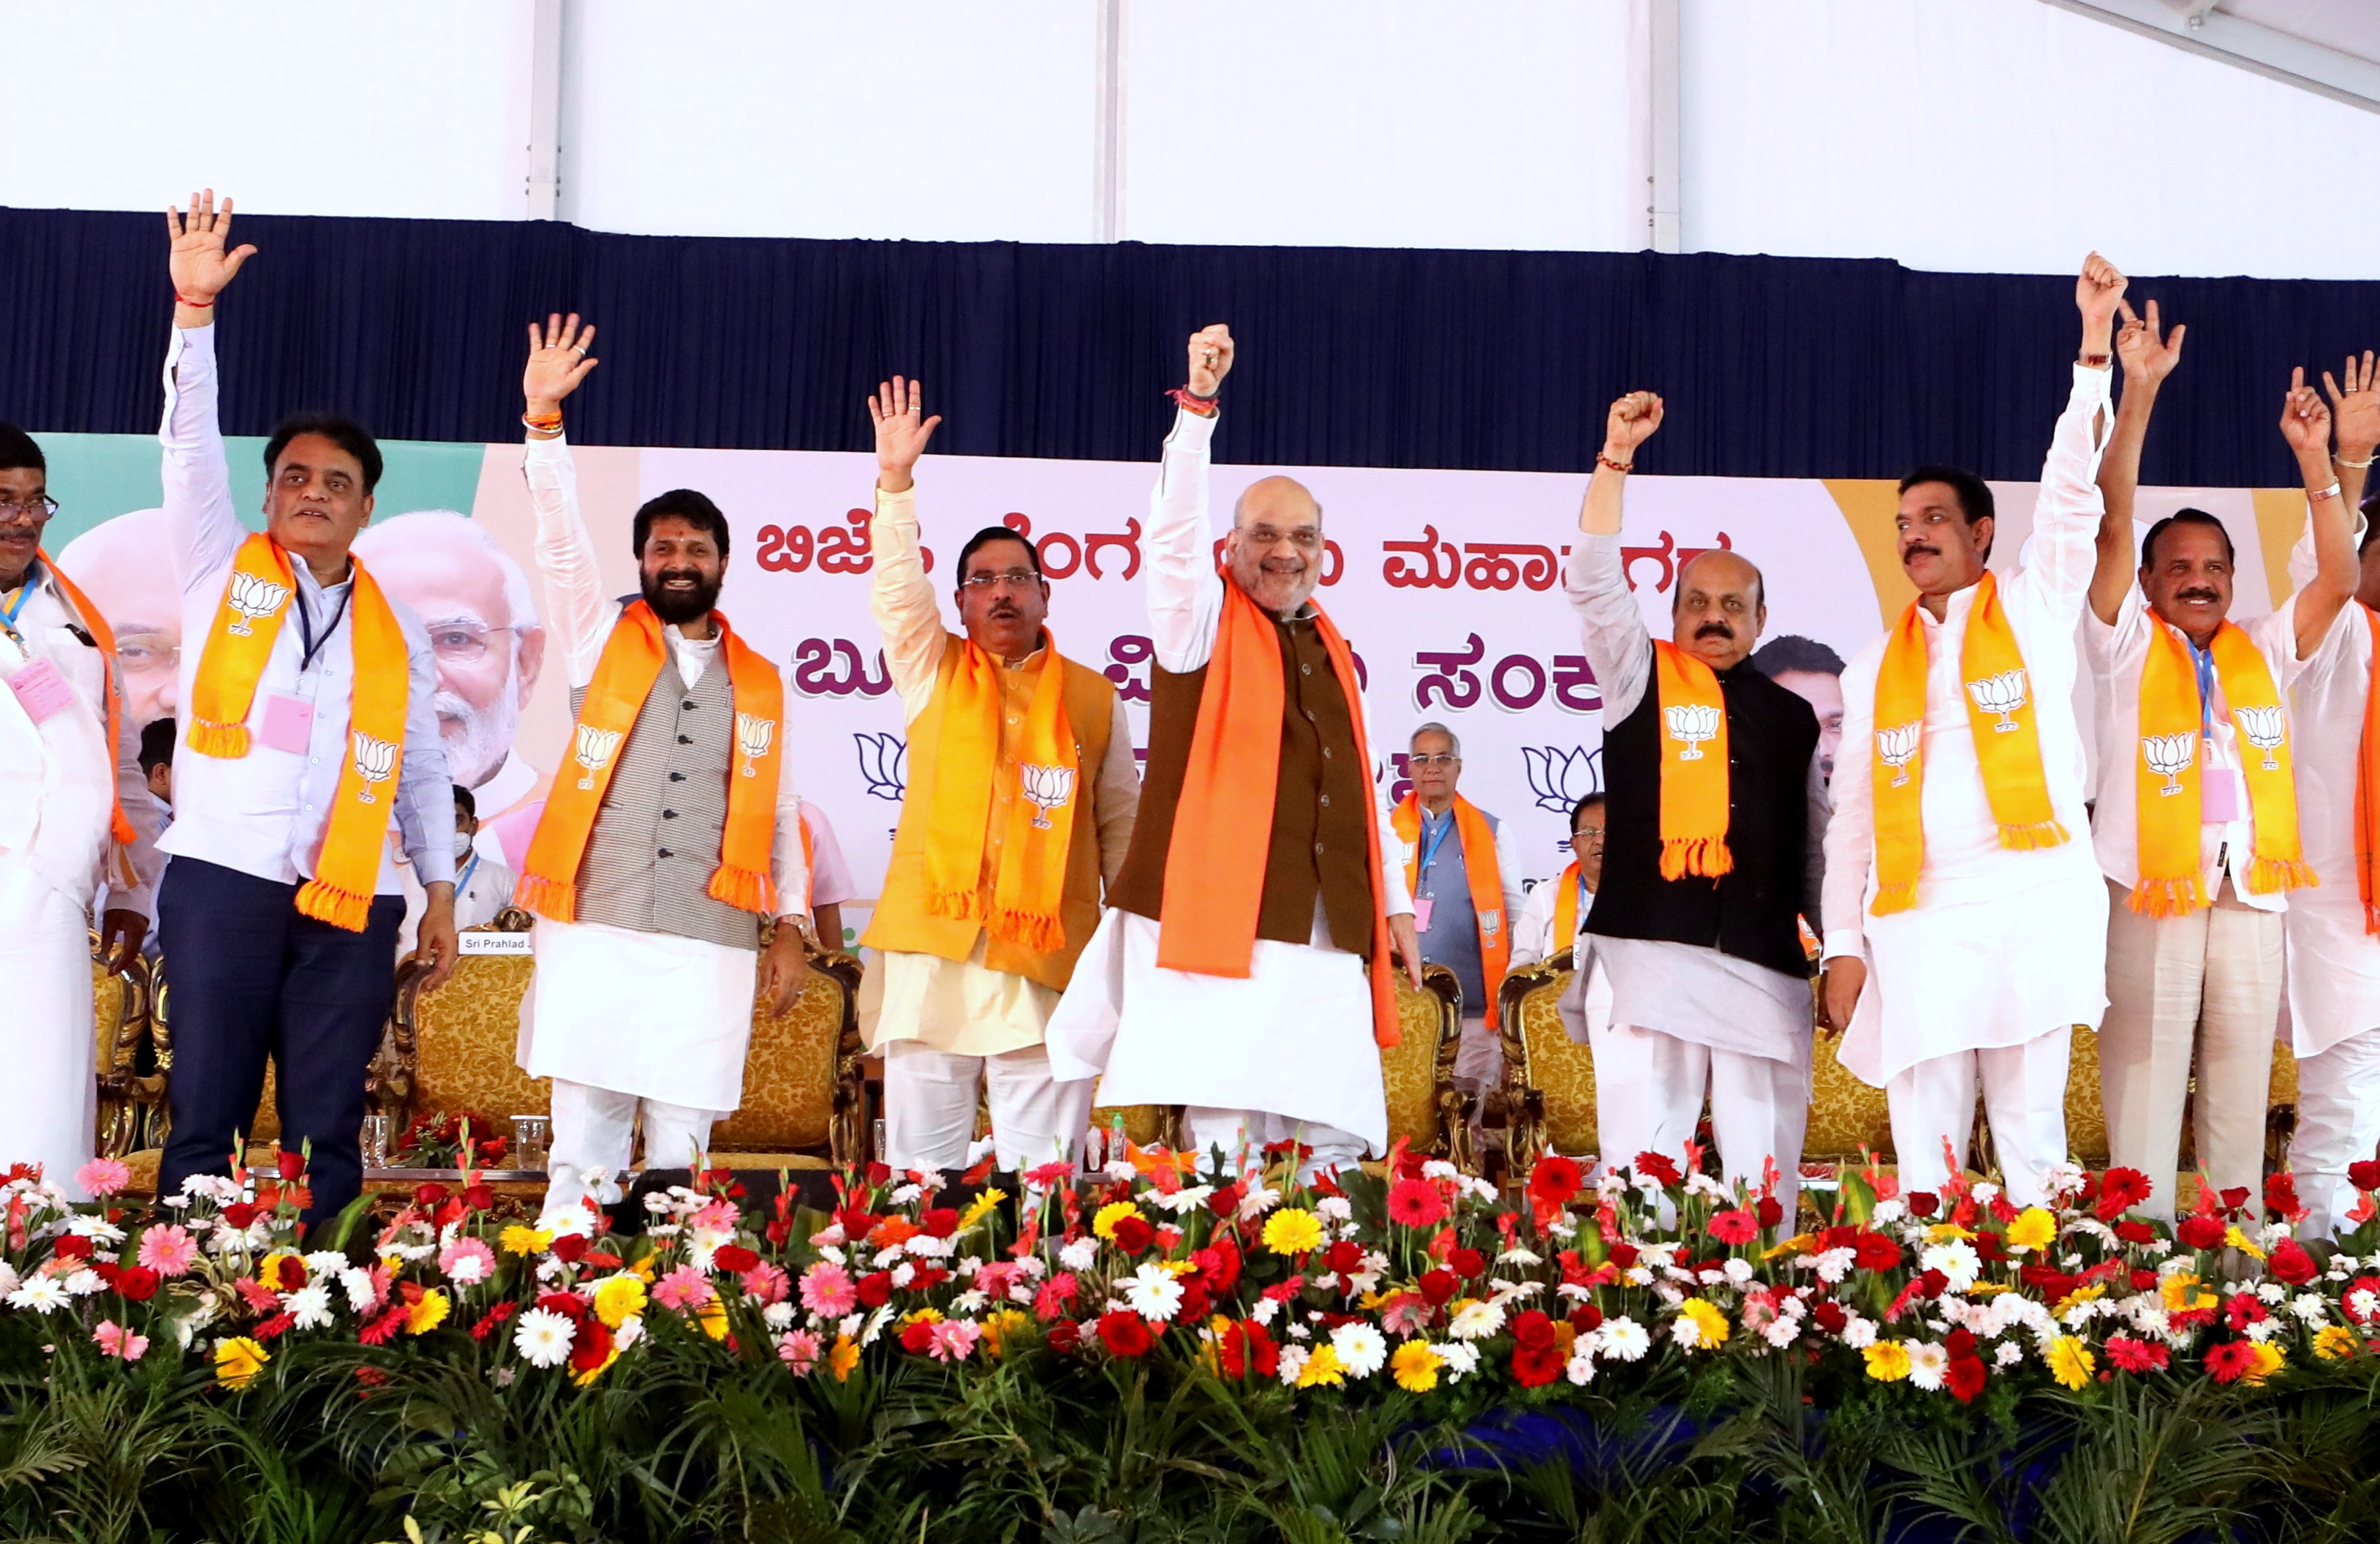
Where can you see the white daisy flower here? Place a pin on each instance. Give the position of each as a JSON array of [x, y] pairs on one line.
[[1580, 1369], [2009, 1354], [1266, 1310], [1928, 1362], [1623, 1339], [309, 1306], [2309, 1307], [1859, 1333], [42, 1294], [1153, 1293], [1363, 1350], [1956, 1259], [1476, 1320], [1737, 1270], [779, 1317], [1461, 1361], [543, 1337]]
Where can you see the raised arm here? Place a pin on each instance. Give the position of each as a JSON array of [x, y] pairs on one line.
[[2305, 423], [2147, 360], [2066, 516], [899, 595], [205, 530], [1611, 629], [2355, 420], [1184, 596], [576, 614]]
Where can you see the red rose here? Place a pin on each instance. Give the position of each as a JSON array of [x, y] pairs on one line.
[[289, 1165], [292, 1273], [1587, 1318], [855, 1223], [2200, 1232], [1621, 1256], [875, 1289], [940, 1221], [1344, 1257], [1438, 1287], [1471, 1262], [734, 1258], [877, 1173], [569, 1304], [1532, 1329], [1923, 1203], [2281, 1195], [1964, 1378], [1226, 1199], [1828, 1315], [1063, 1335], [1771, 1212], [592, 1346], [916, 1337], [2290, 1263], [2228, 1362], [239, 1214], [136, 1283], [1988, 1246], [1125, 1333], [1660, 1168], [72, 1246], [2143, 1278], [2136, 1233], [1932, 1284], [1874, 1251], [1536, 1352], [569, 1248], [427, 1195], [478, 1198], [2364, 1174], [2234, 1198], [1133, 1234]]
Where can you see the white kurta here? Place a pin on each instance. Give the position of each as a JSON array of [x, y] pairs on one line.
[[655, 1015], [1293, 1037], [2003, 946]]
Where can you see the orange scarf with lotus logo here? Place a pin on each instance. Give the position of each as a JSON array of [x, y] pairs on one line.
[[240, 642], [633, 658], [2008, 744], [1693, 765]]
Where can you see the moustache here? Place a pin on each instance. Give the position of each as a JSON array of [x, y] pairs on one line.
[[1715, 629], [2208, 596], [1916, 548]]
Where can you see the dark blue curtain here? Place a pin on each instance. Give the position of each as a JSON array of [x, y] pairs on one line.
[[1772, 367]]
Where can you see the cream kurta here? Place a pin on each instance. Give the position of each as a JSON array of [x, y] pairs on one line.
[[1293, 1037], [650, 1014], [2333, 972], [2003, 946], [963, 1006]]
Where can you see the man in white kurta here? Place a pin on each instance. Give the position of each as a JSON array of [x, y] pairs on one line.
[[61, 781], [2004, 952], [1288, 1051], [652, 1022]]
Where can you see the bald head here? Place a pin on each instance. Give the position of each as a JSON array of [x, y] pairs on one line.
[[1717, 608], [1275, 550]]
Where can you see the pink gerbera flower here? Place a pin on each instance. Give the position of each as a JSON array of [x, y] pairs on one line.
[[115, 1340], [468, 1261], [765, 1284], [798, 1349], [827, 1290], [168, 1250], [952, 1340], [682, 1289], [102, 1176]]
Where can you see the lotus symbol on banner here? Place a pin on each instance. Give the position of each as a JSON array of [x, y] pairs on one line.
[[1049, 787], [374, 760], [2170, 756], [1560, 778], [753, 733], [255, 597], [2002, 694], [594, 749], [883, 764], [2265, 728], [1896, 747], [1692, 723]]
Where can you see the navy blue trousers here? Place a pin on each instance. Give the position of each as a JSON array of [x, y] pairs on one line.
[[252, 978]]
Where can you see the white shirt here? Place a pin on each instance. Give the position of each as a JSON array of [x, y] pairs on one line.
[[59, 780], [2117, 651], [1533, 936], [579, 619], [264, 813], [831, 880], [483, 888]]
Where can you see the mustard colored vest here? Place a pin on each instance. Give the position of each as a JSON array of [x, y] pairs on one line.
[[902, 923]]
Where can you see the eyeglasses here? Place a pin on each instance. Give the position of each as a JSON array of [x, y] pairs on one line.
[[1305, 538], [1420, 761], [38, 511], [462, 642], [1015, 578], [1592, 837]]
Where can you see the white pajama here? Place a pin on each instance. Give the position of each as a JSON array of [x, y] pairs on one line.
[[930, 1104], [2338, 1123], [49, 1101], [2025, 1097], [1648, 1098], [593, 1129], [1248, 1131]]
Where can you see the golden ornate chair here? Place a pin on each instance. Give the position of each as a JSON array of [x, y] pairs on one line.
[[1845, 1113], [1546, 1100], [1425, 1107], [120, 1023]]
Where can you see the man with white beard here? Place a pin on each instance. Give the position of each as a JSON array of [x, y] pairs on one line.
[[481, 613]]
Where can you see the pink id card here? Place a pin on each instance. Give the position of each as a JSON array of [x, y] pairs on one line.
[[288, 724], [41, 690]]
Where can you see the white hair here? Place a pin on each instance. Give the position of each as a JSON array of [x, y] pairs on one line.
[[1454, 741], [520, 596]]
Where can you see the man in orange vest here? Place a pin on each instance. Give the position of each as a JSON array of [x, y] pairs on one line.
[[1459, 864], [1022, 794]]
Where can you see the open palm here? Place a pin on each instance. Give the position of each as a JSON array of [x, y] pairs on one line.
[[558, 360], [199, 260]]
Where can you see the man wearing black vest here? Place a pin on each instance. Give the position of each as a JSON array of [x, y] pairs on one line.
[[1713, 847]]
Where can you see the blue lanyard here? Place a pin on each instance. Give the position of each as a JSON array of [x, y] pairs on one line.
[[1433, 840], [313, 645], [24, 594], [2203, 659], [464, 879]]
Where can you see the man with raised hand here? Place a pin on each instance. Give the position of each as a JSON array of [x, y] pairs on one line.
[[672, 830], [74, 813], [1966, 922], [2331, 933], [1244, 969], [1718, 814], [2197, 823], [308, 724], [1465, 884], [1022, 789]]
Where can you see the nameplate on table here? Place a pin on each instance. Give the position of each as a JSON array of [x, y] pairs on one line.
[[494, 943]]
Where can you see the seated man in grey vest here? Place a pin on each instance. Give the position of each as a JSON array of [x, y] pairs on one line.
[[1718, 819], [670, 831]]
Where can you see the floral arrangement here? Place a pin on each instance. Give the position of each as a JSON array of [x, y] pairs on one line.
[[1422, 1291], [445, 1140]]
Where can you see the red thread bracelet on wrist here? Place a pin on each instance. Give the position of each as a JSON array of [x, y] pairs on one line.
[[1190, 401], [1603, 460], [181, 299]]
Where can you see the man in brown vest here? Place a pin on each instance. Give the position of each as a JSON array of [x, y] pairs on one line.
[[1022, 793], [1244, 972]]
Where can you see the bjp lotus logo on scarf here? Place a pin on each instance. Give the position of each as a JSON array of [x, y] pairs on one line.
[[593, 750], [2170, 756], [1896, 748], [255, 597], [753, 733], [1691, 724], [2265, 728], [375, 760], [2002, 694], [1048, 788]]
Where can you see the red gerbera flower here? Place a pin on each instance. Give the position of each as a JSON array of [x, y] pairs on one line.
[[1734, 1226], [1965, 1378], [1555, 1179], [1126, 1334], [1416, 1203], [734, 1258], [2228, 1362], [1660, 1168], [2137, 1355]]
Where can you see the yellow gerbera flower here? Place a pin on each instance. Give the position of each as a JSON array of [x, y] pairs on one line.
[[2070, 1360], [920, 1316], [714, 1316], [1103, 1224], [238, 1360], [982, 1207], [2335, 1342], [1002, 1327], [2269, 1359], [1942, 1232], [1293, 1231], [430, 1313], [2234, 1239], [1888, 1361], [2175, 1291], [842, 1358], [618, 1299], [1414, 1367], [517, 1239], [1797, 1244], [2034, 1228], [1323, 1368], [1710, 1324]]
